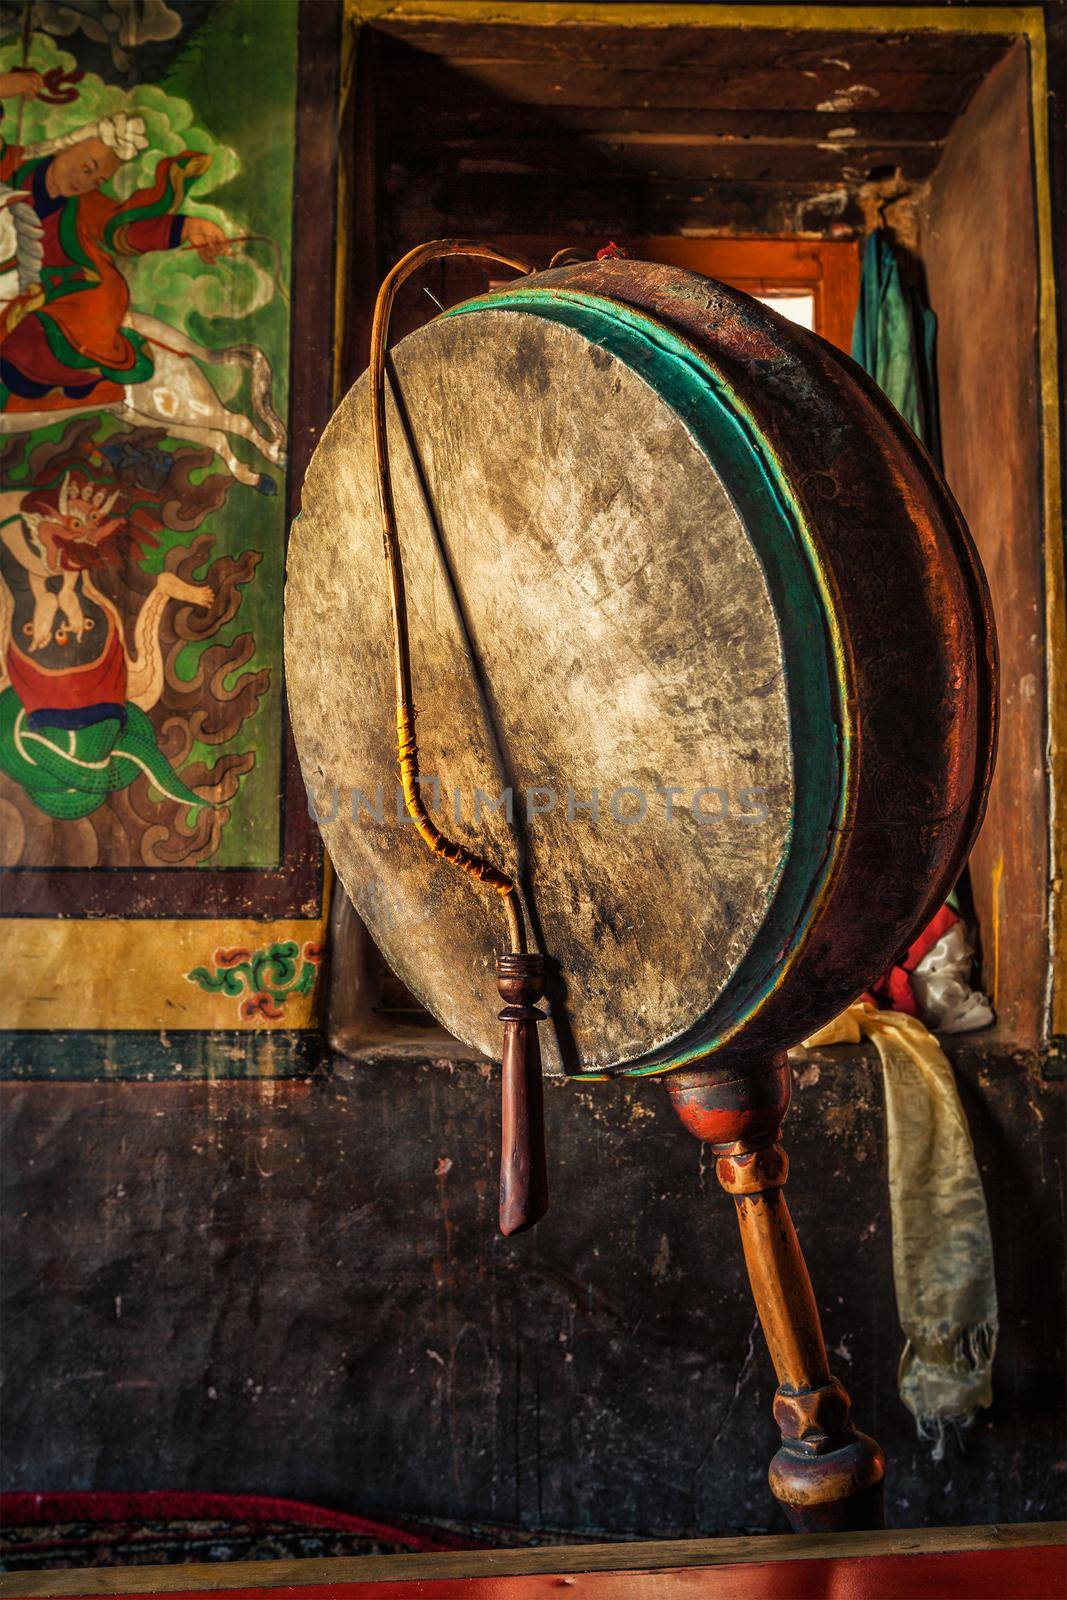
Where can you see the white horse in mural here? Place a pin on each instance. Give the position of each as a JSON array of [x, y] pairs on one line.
[[180, 397]]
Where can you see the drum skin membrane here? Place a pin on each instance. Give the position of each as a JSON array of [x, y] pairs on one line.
[[815, 681]]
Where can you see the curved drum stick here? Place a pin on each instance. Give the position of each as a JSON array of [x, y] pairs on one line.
[[520, 976]]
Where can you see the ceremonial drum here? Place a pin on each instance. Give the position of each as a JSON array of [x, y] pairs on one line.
[[684, 595]]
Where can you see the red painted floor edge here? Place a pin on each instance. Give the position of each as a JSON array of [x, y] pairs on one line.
[[1036, 1572]]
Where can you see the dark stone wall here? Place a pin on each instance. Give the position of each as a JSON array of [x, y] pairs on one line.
[[297, 1288]]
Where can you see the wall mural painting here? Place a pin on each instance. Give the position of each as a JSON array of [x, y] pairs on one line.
[[146, 157]]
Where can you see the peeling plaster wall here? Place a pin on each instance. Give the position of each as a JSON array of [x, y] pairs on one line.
[[298, 1289]]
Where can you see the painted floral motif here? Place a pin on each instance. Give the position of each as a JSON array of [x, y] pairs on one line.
[[262, 981]]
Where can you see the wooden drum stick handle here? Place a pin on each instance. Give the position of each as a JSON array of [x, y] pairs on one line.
[[523, 1171]]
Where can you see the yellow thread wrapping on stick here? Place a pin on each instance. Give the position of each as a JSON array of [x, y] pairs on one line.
[[457, 854]]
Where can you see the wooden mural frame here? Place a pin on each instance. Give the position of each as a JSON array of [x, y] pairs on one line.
[[87, 1011]]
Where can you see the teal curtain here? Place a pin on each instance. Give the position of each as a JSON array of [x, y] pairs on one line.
[[894, 339]]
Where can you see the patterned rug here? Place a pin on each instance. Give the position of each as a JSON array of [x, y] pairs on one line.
[[41, 1531]]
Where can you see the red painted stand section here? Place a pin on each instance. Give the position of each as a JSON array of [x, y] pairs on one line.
[[1035, 1573]]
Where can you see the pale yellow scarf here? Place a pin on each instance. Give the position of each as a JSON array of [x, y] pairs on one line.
[[942, 1250]]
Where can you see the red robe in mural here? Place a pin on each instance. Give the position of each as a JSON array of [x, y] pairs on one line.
[[76, 345]]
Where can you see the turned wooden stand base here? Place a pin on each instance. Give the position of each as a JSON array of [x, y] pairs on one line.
[[827, 1475]]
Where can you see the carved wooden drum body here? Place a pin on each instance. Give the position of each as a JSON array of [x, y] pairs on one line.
[[681, 583]]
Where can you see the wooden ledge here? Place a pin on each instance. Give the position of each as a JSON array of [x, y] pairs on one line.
[[651, 1557]]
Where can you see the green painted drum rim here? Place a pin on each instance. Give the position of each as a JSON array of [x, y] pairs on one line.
[[816, 686]]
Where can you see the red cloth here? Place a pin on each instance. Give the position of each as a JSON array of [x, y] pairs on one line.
[[894, 992], [99, 682], [26, 347], [19, 1509], [90, 317]]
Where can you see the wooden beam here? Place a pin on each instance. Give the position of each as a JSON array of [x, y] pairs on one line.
[[619, 207], [489, 119], [429, 82], [659, 1555], [763, 159], [994, 20], [694, 49]]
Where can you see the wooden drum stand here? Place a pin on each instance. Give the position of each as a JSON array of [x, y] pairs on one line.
[[827, 1475]]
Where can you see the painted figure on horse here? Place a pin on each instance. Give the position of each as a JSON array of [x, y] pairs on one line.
[[66, 340]]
